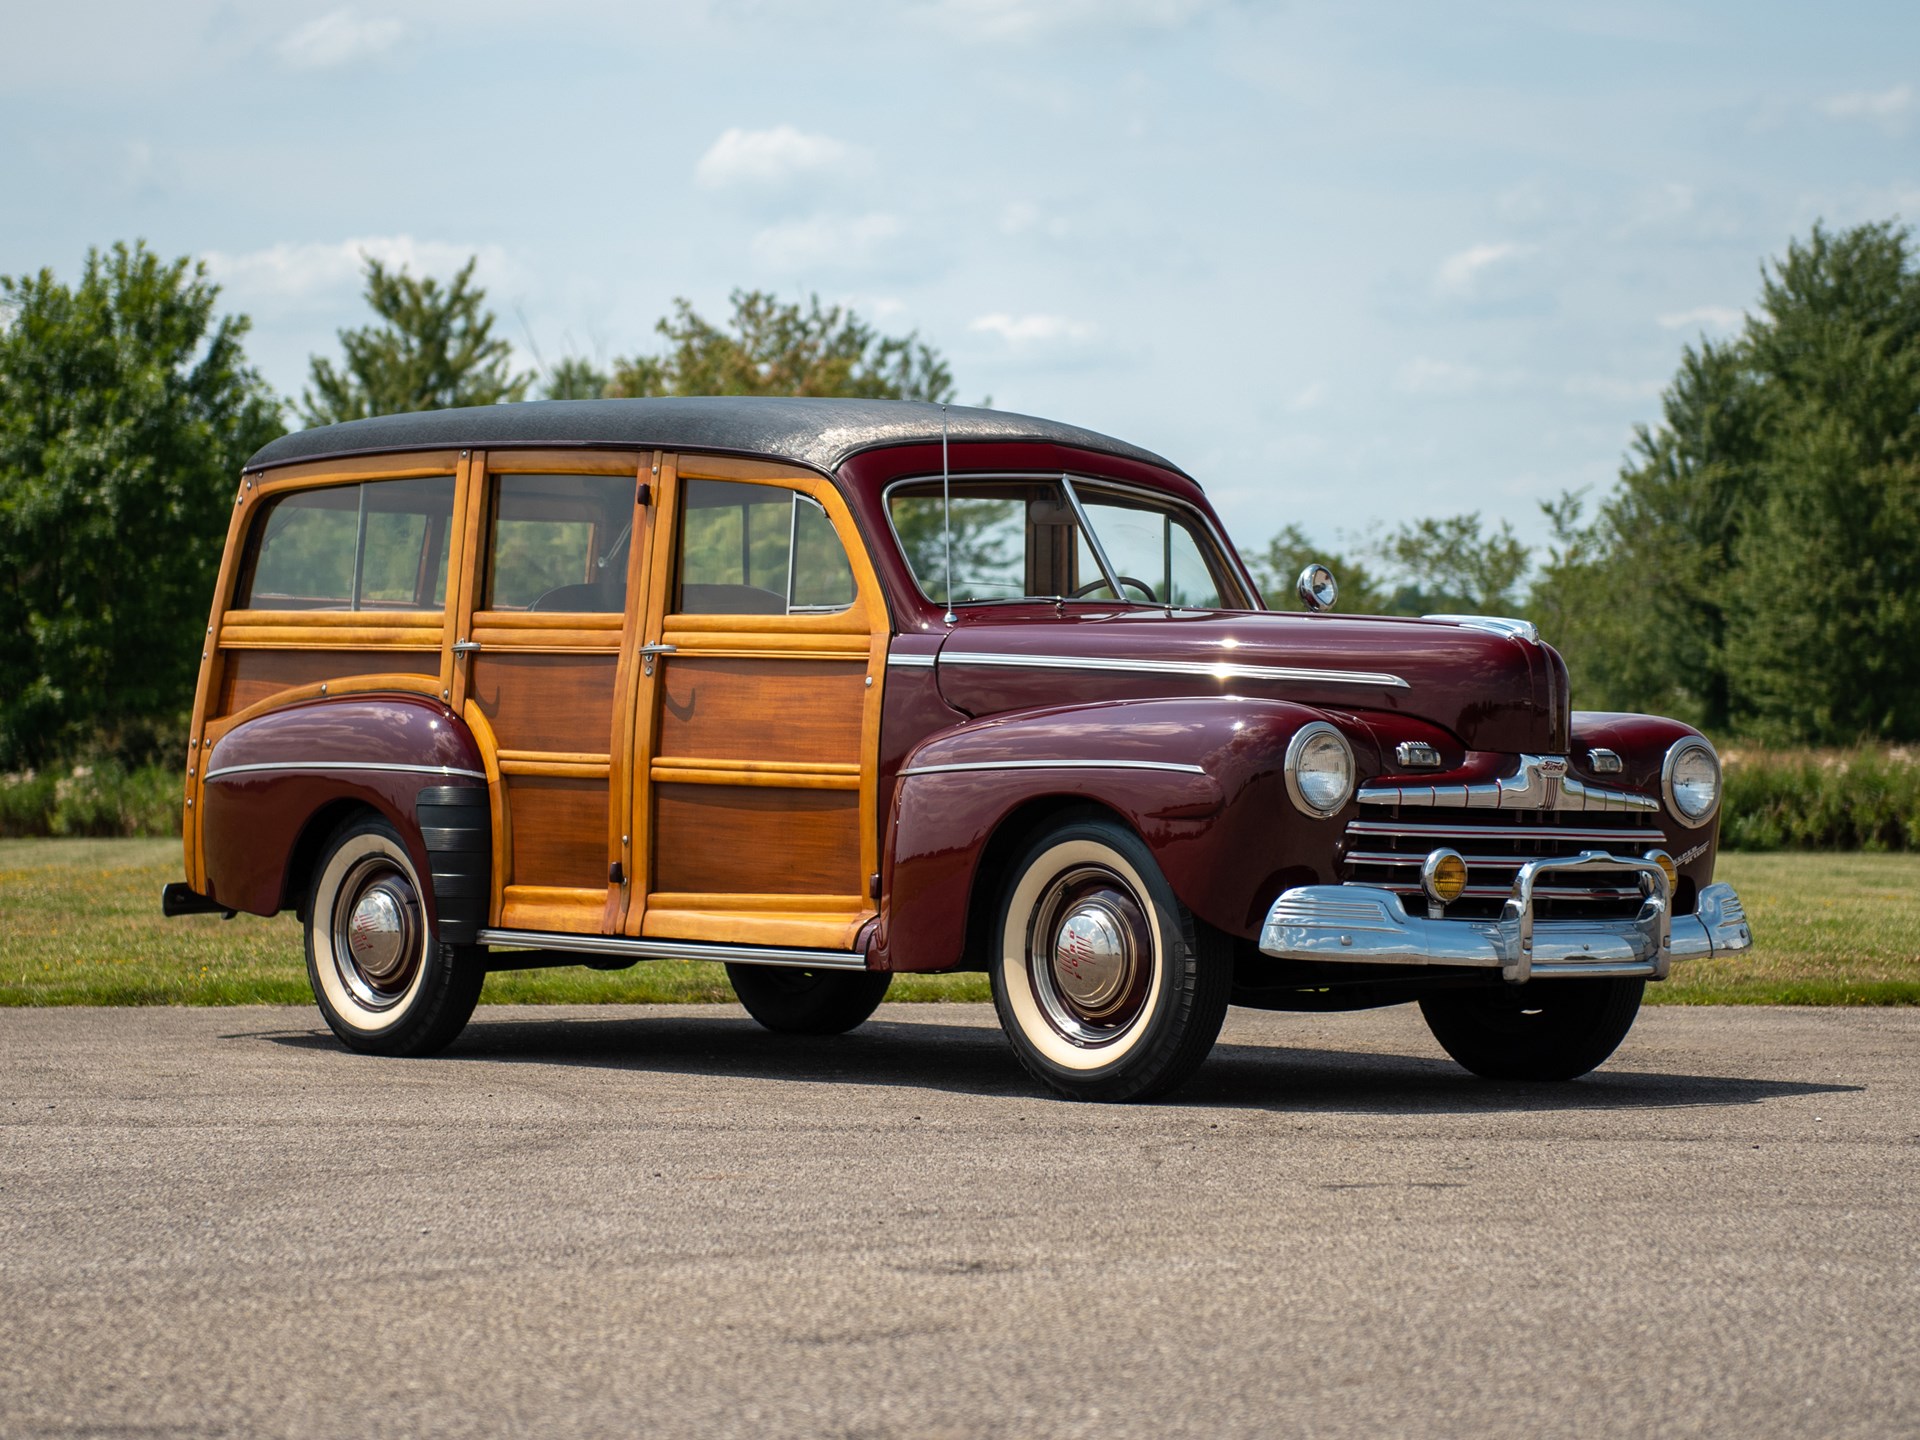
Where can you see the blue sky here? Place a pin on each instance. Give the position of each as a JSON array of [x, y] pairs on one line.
[[1347, 264]]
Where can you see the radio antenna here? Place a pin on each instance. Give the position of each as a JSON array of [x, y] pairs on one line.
[[946, 510]]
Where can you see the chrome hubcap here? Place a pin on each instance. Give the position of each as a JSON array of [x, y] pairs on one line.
[[1090, 955], [378, 933]]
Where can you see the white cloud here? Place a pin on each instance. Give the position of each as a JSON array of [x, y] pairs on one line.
[[1423, 376], [1312, 397], [1023, 217], [1610, 387], [299, 271], [1021, 331], [1459, 273], [768, 158], [1889, 107], [1034, 19], [1702, 317], [337, 38], [841, 242]]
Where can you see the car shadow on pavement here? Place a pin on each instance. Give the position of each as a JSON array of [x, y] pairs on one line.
[[975, 1059]]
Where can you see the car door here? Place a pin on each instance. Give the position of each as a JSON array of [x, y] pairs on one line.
[[757, 719], [549, 616]]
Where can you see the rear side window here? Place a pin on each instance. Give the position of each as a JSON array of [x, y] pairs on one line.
[[759, 550], [560, 543], [377, 545]]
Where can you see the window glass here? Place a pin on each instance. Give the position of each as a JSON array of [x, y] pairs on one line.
[[1014, 539], [559, 543], [1154, 548], [759, 550], [308, 549]]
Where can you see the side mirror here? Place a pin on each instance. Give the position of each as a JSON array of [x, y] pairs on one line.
[[1317, 587]]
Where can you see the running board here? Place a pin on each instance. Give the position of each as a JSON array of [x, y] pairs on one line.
[[620, 947]]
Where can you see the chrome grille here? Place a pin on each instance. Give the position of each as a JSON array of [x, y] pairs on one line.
[[1386, 847]]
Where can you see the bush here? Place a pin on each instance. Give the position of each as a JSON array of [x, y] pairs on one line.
[[1821, 800], [102, 798]]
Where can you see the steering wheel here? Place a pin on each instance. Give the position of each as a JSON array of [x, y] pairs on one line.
[[1140, 585]]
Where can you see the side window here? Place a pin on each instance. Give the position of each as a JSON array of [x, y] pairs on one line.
[[759, 550], [378, 545], [559, 543]]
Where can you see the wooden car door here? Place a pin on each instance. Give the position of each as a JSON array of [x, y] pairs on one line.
[[758, 711], [557, 544]]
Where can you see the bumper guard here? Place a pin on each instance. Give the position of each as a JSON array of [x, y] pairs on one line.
[[1366, 924]]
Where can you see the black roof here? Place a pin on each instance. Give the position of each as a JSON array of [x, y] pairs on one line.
[[816, 432]]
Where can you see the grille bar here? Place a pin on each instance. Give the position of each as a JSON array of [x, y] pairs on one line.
[[1470, 832]]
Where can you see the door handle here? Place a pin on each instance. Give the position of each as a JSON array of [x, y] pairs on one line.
[[647, 652], [465, 647]]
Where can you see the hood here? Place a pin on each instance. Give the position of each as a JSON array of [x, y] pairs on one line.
[[1493, 692]]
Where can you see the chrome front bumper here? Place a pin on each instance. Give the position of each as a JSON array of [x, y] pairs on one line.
[[1365, 924]]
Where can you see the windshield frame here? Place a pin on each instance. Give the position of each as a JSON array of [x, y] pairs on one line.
[[1072, 484]]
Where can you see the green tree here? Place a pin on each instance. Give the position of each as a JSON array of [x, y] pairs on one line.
[[1276, 570], [433, 348], [1453, 565], [574, 379], [1755, 570], [126, 411], [771, 348]]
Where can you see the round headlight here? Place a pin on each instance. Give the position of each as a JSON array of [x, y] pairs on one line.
[[1319, 769], [1691, 778]]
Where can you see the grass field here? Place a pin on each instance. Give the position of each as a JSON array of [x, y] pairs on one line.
[[80, 924]]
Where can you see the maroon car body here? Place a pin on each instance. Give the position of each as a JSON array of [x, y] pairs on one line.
[[1297, 809]]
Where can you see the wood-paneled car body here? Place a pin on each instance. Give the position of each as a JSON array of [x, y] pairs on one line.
[[829, 690]]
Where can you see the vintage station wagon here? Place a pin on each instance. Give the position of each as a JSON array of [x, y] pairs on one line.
[[830, 690]]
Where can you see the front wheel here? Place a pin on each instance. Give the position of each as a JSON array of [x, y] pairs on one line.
[[1543, 1030], [384, 984], [1107, 986], [808, 1002]]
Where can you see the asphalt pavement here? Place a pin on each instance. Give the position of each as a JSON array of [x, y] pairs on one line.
[[664, 1221]]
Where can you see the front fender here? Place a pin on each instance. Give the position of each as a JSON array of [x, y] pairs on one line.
[[270, 777], [1198, 778]]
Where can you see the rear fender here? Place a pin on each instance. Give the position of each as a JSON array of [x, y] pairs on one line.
[[278, 782]]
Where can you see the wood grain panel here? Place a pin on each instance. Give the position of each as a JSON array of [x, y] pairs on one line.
[[793, 710], [558, 703], [559, 831], [250, 676], [719, 839]]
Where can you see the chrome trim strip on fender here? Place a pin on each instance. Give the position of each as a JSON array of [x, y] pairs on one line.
[[1541, 783], [913, 660], [1213, 669], [329, 766], [624, 946], [1173, 765]]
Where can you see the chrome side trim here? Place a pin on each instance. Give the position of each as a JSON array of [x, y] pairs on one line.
[[1173, 765], [1541, 783], [624, 946], [913, 661], [1513, 629], [1367, 925], [1217, 670], [329, 766]]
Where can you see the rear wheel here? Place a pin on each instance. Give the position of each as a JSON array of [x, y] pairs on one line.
[[1543, 1030], [1108, 987], [808, 1002], [384, 984]]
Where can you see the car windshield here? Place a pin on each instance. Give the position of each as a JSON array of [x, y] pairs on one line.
[[1027, 539]]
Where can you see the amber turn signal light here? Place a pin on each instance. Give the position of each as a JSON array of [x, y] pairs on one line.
[[1667, 868], [1443, 875]]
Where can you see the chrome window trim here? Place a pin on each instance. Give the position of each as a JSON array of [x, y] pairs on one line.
[[1292, 768], [1176, 766], [621, 945], [1219, 670], [1214, 532], [1674, 752], [326, 766]]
